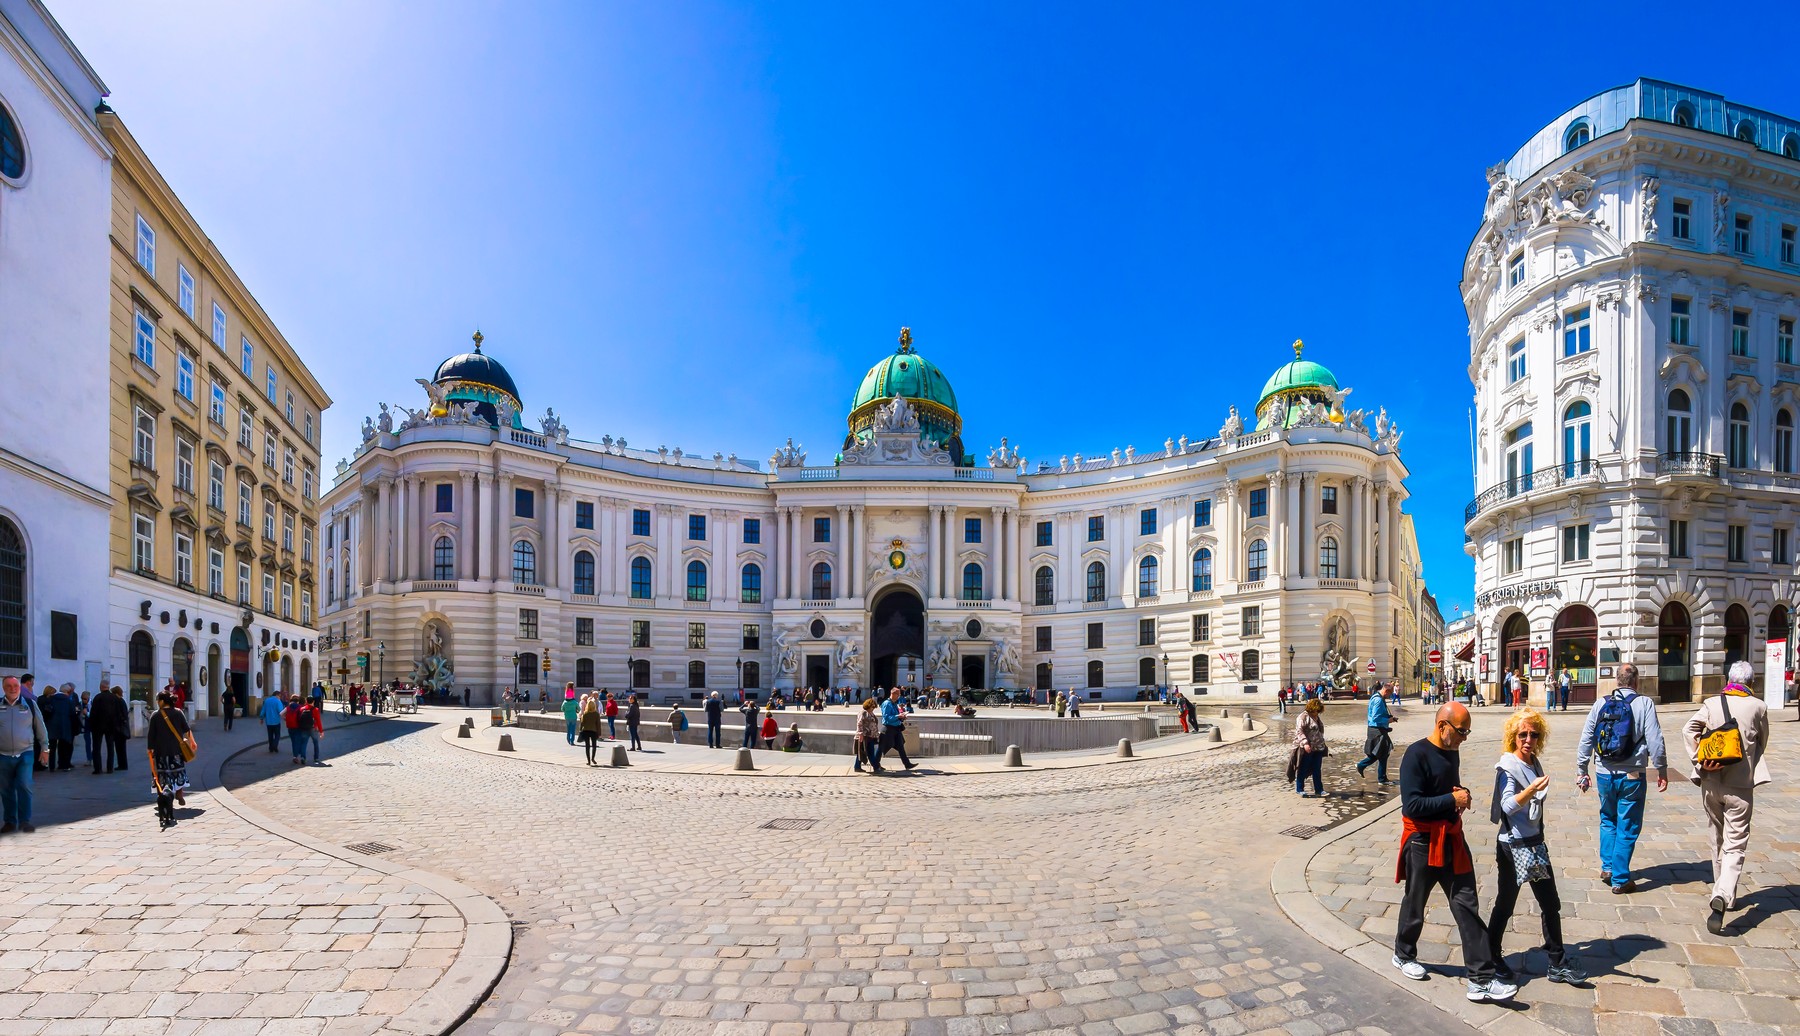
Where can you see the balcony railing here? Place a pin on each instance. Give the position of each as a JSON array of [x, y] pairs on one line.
[[527, 588], [974, 604], [1560, 475], [430, 585], [1704, 465]]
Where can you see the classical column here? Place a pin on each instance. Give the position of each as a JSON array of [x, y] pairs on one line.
[[1277, 527], [668, 550], [934, 534], [465, 521], [1298, 507], [797, 587], [553, 542], [364, 554], [1353, 524], [1384, 553], [859, 551], [840, 585], [718, 534], [614, 552], [384, 491], [996, 537], [483, 513], [1118, 558], [1225, 566], [1306, 513], [503, 488], [778, 551], [1390, 535], [1069, 549], [947, 585]]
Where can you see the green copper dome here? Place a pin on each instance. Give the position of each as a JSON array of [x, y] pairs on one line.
[[908, 374], [1295, 382], [1299, 374]]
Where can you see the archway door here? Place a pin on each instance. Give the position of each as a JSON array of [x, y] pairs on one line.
[[1515, 647], [1577, 641], [974, 671], [1737, 636], [214, 681], [1674, 665], [240, 669], [897, 638]]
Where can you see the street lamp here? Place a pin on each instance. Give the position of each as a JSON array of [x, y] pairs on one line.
[[631, 672], [381, 662], [1165, 661], [740, 672], [1290, 679], [1050, 670]]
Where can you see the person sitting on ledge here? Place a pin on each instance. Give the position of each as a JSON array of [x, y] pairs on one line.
[[792, 742]]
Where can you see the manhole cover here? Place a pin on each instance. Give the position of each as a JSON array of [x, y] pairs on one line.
[[372, 848], [1301, 831], [790, 824]]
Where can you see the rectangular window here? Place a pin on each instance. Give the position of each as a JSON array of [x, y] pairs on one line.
[[215, 572], [1515, 362], [144, 444], [821, 530], [306, 607], [640, 522], [215, 407], [1681, 223], [584, 514], [184, 560], [1781, 547], [696, 527], [1512, 555], [445, 498], [1575, 543], [146, 247], [1680, 311], [246, 434], [971, 530], [752, 637], [309, 428], [144, 338], [1251, 623], [306, 543], [1259, 503], [1515, 270], [184, 465], [269, 450], [1096, 528], [269, 520], [1734, 543], [287, 531], [1203, 512], [1787, 244], [246, 357], [1740, 234], [1042, 638], [268, 593], [287, 464], [270, 368], [1784, 340], [753, 530], [640, 633], [244, 583], [1096, 635], [1043, 534], [696, 636], [218, 329], [1147, 521], [1740, 332], [244, 504], [528, 624], [1678, 538], [143, 543], [1202, 628], [524, 503], [1328, 500], [215, 486], [584, 632], [184, 289], [1202, 669], [1146, 632], [1575, 331], [290, 408]]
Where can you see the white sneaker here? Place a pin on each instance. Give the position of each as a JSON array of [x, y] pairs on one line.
[[1494, 989], [1410, 968]]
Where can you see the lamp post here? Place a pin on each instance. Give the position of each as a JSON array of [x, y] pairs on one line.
[[546, 665], [1165, 662], [1290, 679], [631, 672], [381, 662], [1050, 691], [740, 672]]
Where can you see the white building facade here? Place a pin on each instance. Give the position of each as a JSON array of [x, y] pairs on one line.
[[54, 501], [1632, 305], [1226, 566]]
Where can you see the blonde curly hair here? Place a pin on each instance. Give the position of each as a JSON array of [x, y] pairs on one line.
[[1525, 717]]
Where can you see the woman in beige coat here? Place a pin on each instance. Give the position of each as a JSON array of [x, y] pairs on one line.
[[1728, 790]]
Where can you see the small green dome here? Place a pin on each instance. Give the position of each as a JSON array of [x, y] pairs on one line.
[[1298, 374], [907, 374]]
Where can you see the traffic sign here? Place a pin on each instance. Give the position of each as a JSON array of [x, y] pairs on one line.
[[1371, 665], [362, 659], [1435, 657]]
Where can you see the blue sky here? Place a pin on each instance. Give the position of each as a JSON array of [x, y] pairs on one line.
[[696, 225]]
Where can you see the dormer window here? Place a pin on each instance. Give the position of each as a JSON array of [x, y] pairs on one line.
[[1578, 134], [1746, 131], [1684, 115]]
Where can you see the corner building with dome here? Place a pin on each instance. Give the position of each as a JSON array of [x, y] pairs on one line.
[[1228, 564]]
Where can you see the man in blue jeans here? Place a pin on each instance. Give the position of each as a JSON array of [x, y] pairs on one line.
[[1622, 739], [23, 740], [893, 732]]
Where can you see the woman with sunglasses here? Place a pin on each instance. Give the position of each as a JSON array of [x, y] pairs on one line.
[[1518, 807]]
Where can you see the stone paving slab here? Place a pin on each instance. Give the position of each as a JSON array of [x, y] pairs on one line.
[[223, 924], [1654, 966]]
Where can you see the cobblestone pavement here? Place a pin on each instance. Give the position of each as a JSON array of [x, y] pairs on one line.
[[1118, 899], [1655, 967], [111, 926]]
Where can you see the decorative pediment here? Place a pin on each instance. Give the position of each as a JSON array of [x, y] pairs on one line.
[[1744, 384], [1151, 550], [441, 527], [1042, 556], [1682, 365], [1096, 552], [1329, 527], [217, 536], [749, 555], [143, 495], [183, 515], [697, 552]]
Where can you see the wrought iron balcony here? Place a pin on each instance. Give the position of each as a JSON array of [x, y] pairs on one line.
[[1560, 475], [1704, 465]]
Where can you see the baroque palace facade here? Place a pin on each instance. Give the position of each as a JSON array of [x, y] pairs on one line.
[[461, 546], [1632, 298]]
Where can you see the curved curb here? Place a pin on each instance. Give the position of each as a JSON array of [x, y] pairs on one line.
[[487, 936]]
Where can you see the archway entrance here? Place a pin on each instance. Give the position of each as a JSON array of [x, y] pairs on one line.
[[240, 669], [214, 681], [974, 671], [1577, 637], [1673, 672], [1737, 635], [897, 638], [1515, 646]]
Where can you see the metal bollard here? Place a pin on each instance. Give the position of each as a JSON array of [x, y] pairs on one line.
[[744, 760], [506, 743], [1124, 748], [465, 732], [1014, 757], [620, 756]]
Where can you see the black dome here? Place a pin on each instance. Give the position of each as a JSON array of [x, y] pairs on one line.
[[478, 368]]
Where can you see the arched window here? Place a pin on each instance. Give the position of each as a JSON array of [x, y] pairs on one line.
[[524, 564], [1202, 570], [1328, 558], [584, 572], [1578, 134], [584, 672], [1737, 634], [1096, 673], [1202, 668], [1684, 114], [696, 676], [14, 653], [1257, 561], [640, 578], [1096, 581], [443, 558], [1147, 577], [752, 592], [141, 658], [1790, 146], [696, 580], [528, 667], [12, 147], [1252, 665], [181, 663], [1784, 441], [1737, 444], [1578, 431], [1746, 131], [821, 582], [752, 675], [971, 589], [1518, 459], [1679, 423], [1043, 584], [640, 674], [1043, 676]]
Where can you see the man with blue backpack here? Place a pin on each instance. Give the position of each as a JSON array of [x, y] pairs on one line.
[[1622, 739]]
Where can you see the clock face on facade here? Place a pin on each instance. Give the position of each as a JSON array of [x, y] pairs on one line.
[[897, 559]]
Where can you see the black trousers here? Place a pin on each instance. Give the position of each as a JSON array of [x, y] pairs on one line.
[[1506, 897], [230, 714], [115, 752], [274, 737], [62, 752], [715, 734], [1421, 878], [893, 739]]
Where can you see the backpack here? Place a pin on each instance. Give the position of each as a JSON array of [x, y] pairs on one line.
[[1614, 740], [305, 720], [290, 716]]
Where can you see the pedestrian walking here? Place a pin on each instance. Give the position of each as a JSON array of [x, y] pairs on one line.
[[297, 736], [228, 705], [715, 721], [1726, 741], [57, 706], [105, 713], [1434, 854], [610, 706], [633, 717], [82, 707], [1379, 742], [24, 744], [1621, 739], [170, 744], [1181, 711], [770, 728], [749, 711], [1310, 749], [1562, 689], [893, 731], [1062, 705], [273, 716], [571, 710], [867, 737], [1520, 787], [588, 727], [678, 722]]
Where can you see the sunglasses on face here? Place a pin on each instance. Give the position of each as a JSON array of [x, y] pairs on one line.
[[1532, 734], [1460, 731]]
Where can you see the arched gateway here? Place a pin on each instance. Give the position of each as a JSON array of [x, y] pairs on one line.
[[897, 639]]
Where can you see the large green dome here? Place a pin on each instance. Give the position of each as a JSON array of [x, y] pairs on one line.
[[1298, 374], [907, 374], [1295, 382]]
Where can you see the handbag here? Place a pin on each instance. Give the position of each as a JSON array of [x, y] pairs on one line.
[[183, 743], [1531, 859], [1723, 743]]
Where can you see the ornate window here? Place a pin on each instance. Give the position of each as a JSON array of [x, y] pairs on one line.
[[752, 591], [1577, 444], [1328, 558], [1257, 561], [1043, 584], [821, 582], [1580, 133], [1684, 115], [696, 580], [1680, 320], [524, 569], [971, 582], [1515, 362], [1203, 570], [1784, 441], [1738, 442], [584, 572], [640, 579], [12, 153], [1679, 423], [1096, 581], [14, 653], [1147, 577], [1576, 328], [752, 675], [1518, 459]]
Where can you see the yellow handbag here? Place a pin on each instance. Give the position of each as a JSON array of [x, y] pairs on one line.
[[1722, 744]]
